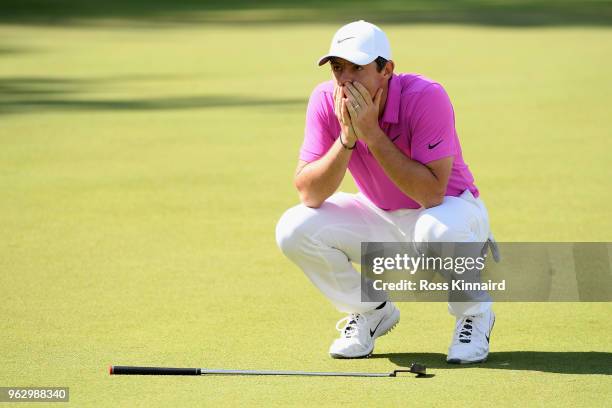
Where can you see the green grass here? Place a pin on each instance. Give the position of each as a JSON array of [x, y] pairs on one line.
[[143, 170]]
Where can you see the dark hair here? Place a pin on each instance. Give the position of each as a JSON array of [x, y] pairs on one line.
[[380, 63]]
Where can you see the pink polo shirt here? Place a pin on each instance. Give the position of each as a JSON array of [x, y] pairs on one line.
[[418, 118]]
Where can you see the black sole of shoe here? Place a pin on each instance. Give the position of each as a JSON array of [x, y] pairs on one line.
[[456, 361]]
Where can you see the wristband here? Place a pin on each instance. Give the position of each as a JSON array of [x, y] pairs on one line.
[[345, 146]]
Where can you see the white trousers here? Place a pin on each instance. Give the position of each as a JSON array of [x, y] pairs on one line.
[[325, 241]]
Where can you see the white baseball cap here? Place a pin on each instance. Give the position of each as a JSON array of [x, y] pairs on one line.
[[359, 42]]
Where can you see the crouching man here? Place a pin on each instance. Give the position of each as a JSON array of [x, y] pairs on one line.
[[396, 134]]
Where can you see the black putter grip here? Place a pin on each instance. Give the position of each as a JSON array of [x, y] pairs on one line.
[[130, 370]]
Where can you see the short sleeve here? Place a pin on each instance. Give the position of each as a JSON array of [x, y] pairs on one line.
[[433, 126], [318, 136]]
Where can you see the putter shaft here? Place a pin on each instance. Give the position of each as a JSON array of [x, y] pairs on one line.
[[205, 371]]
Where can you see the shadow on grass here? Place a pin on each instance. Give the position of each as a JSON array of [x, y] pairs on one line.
[[474, 12], [32, 105], [42, 94], [13, 50], [571, 362]]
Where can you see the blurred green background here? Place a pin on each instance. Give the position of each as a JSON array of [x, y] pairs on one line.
[[147, 150]]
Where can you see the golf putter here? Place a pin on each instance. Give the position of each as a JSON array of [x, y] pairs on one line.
[[415, 368]]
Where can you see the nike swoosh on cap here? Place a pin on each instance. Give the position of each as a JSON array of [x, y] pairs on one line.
[[344, 39]]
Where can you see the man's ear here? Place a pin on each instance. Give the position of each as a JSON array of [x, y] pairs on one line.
[[388, 70]]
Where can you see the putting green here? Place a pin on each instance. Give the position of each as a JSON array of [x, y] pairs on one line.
[[144, 168]]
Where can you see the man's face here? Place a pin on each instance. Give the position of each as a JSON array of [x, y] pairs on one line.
[[367, 75]]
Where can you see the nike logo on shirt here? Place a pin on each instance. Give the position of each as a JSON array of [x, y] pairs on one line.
[[431, 146]]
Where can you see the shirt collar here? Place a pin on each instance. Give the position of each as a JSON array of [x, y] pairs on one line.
[[392, 105]]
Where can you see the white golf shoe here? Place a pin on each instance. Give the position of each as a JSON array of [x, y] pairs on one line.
[[361, 329], [471, 339]]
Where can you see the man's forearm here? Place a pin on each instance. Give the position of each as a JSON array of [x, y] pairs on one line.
[[413, 178], [318, 180]]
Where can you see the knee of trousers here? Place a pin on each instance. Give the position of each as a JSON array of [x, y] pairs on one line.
[[295, 227], [430, 228]]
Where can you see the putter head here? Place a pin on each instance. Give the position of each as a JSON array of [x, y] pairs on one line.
[[416, 368]]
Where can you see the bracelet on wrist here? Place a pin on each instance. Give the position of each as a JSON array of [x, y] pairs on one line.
[[345, 146]]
